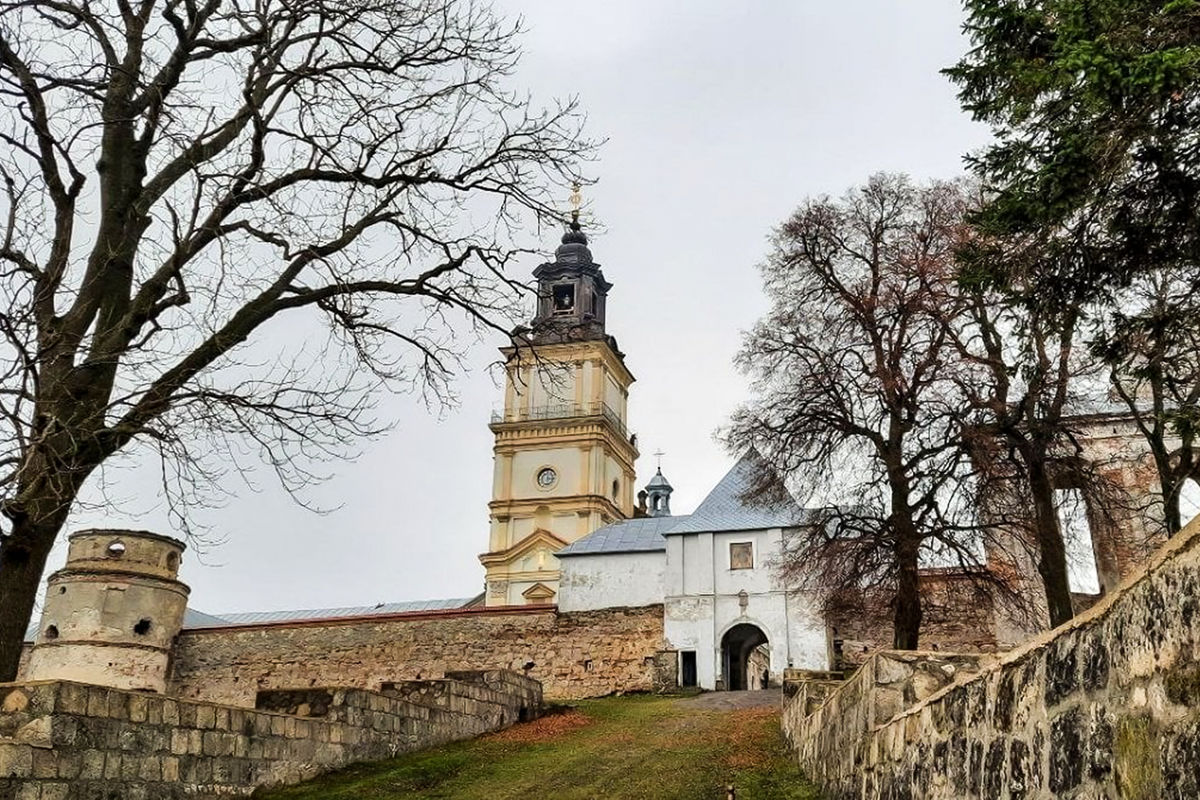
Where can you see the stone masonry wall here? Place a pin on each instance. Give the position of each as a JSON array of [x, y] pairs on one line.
[[573, 655], [66, 741], [886, 683], [1106, 706]]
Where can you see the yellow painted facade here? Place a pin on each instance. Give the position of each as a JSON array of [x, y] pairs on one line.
[[564, 462]]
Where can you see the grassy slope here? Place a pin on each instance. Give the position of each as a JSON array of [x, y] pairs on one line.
[[643, 748]]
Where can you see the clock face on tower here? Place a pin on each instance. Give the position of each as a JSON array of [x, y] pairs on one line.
[[546, 477]]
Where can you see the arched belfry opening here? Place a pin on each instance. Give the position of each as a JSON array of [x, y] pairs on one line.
[[745, 657]]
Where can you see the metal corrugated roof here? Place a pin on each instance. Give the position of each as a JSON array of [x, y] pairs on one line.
[[262, 617], [637, 535], [725, 509], [198, 619]]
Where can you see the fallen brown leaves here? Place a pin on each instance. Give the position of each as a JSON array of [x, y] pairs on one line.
[[548, 727], [747, 736]]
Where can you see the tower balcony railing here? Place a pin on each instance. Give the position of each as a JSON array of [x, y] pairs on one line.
[[562, 411]]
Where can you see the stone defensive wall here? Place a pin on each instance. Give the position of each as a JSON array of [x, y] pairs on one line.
[[573, 655], [1106, 706], [69, 741]]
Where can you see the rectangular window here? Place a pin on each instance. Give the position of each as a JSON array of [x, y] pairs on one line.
[[741, 555]]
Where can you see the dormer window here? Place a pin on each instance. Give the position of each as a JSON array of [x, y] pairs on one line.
[[564, 299]]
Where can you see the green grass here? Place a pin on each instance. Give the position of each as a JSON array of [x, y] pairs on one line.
[[642, 748]]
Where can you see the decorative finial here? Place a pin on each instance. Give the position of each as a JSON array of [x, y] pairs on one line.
[[658, 455], [576, 201]]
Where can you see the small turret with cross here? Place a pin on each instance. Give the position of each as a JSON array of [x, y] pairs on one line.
[[658, 491]]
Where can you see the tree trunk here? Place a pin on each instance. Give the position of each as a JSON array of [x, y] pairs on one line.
[[1052, 551], [23, 557], [906, 625], [1172, 516]]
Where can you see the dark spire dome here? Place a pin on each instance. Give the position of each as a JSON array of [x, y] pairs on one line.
[[572, 292], [574, 233], [574, 249]]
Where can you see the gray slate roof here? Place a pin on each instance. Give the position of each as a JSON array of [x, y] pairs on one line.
[[725, 510], [637, 535]]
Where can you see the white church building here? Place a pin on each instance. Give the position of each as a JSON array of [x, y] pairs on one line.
[[726, 609]]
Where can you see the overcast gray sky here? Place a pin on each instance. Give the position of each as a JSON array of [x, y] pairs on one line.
[[720, 118]]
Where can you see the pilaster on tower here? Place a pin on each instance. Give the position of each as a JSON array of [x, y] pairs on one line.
[[564, 458]]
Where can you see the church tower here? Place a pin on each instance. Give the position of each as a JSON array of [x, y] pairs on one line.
[[563, 456]]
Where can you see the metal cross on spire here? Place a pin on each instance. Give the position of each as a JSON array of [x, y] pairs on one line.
[[658, 455], [576, 201]]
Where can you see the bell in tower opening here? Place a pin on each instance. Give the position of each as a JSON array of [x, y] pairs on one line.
[[564, 299]]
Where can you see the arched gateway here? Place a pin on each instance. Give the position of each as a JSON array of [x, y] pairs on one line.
[[745, 657]]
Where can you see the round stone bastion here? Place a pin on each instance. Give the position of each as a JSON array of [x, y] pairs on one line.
[[112, 612]]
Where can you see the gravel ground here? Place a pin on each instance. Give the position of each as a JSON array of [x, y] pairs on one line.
[[734, 701]]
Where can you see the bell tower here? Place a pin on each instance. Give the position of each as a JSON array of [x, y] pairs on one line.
[[563, 456]]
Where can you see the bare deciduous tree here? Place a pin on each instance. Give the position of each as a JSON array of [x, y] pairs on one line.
[[853, 399], [178, 175], [1027, 374], [1150, 340]]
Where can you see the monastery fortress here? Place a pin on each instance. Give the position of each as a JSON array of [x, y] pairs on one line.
[[592, 586], [596, 587]]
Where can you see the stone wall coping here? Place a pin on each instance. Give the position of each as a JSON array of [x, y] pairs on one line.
[[414, 699], [129, 533], [358, 619], [163, 698], [107, 575], [1184, 540], [154, 695]]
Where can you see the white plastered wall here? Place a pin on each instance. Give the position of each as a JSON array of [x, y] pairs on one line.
[[611, 580]]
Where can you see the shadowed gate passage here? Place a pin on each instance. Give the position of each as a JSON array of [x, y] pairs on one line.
[[737, 646]]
